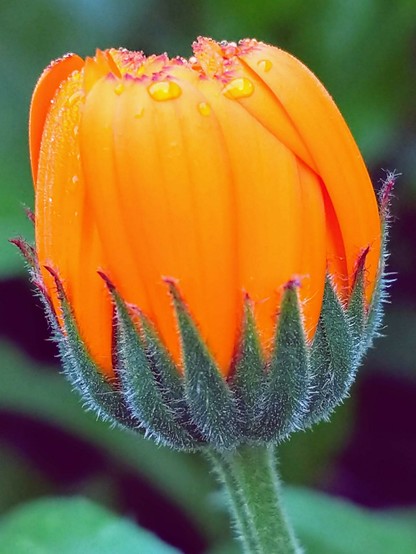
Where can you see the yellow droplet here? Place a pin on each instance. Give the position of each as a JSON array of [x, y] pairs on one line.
[[75, 97], [119, 89], [238, 88], [204, 108], [164, 90], [139, 113], [265, 65]]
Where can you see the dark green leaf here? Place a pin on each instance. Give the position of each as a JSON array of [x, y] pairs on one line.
[[74, 526], [327, 525]]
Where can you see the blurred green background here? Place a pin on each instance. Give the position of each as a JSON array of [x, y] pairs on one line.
[[364, 51]]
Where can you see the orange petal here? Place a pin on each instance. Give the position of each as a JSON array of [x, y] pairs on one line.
[[101, 65], [263, 105], [332, 148], [268, 207], [42, 97], [335, 250], [105, 189], [66, 236], [167, 207], [314, 255]]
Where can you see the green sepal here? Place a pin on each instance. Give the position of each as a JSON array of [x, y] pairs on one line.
[[286, 391], [357, 311], [380, 293], [168, 376], [332, 357], [97, 393], [29, 254], [322, 379], [249, 375], [140, 388], [211, 402]]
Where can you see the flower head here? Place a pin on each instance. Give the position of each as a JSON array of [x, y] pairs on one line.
[[221, 180], [230, 172]]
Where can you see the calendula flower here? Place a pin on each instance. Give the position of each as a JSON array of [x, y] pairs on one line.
[[224, 204]]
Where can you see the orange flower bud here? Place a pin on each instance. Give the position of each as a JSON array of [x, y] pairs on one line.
[[231, 173]]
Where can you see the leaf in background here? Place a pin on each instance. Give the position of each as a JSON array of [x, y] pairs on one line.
[[327, 525], [73, 526], [307, 456], [19, 481], [396, 353], [46, 396], [230, 547]]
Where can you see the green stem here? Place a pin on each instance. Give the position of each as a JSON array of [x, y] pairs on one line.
[[250, 478]]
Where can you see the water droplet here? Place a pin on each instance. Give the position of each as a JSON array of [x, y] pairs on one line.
[[119, 89], [75, 97], [76, 129], [139, 113], [238, 88], [75, 179], [265, 65], [229, 49], [204, 108], [164, 90]]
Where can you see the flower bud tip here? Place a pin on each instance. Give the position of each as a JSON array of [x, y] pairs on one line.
[[135, 309], [27, 251], [292, 284], [246, 296], [40, 285], [30, 214], [58, 283], [387, 189], [171, 281], [110, 285], [20, 243], [359, 266]]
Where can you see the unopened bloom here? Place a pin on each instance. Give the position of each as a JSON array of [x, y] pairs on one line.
[[204, 185]]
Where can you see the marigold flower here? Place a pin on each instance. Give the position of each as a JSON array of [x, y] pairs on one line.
[[219, 181], [229, 172]]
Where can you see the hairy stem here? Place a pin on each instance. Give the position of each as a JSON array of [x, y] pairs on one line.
[[250, 478]]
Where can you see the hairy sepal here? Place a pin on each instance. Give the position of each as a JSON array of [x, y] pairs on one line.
[[332, 357], [140, 388], [384, 279], [262, 402], [98, 394], [286, 391], [212, 404], [249, 376]]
